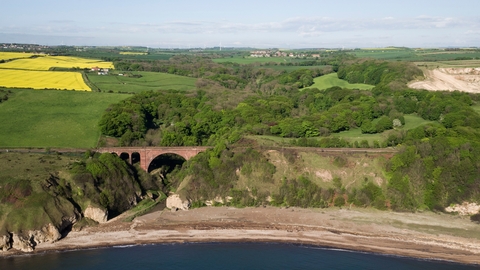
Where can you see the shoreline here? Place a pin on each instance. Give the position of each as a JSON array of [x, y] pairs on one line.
[[426, 236], [261, 241]]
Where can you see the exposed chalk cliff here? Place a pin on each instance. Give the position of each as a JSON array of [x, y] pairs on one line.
[[174, 201], [464, 209], [26, 242], [5, 242], [22, 243], [48, 233], [96, 213]]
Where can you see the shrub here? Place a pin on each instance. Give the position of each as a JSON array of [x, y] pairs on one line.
[[339, 201], [475, 218]]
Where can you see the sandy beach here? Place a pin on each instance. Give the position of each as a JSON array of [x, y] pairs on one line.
[[421, 235]]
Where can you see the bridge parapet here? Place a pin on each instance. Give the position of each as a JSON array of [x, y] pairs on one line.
[[148, 154]]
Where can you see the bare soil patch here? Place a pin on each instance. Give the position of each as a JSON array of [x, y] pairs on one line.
[[450, 79]]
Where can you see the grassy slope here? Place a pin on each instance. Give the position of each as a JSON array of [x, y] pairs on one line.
[[32, 166], [320, 168], [32, 118], [148, 81], [476, 108], [35, 168], [330, 80], [411, 121]]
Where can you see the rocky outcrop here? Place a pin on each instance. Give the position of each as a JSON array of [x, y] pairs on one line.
[[464, 209], [22, 243], [26, 242], [174, 201], [96, 213], [48, 233], [217, 200], [5, 242]]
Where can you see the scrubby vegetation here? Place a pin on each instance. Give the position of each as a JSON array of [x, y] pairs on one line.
[[436, 135], [425, 174], [65, 186]]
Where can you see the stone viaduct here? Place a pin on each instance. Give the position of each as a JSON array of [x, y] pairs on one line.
[[145, 155]]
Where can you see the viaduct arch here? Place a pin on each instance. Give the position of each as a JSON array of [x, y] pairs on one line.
[[145, 155]]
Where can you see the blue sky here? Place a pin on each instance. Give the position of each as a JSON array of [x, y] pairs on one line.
[[247, 23]]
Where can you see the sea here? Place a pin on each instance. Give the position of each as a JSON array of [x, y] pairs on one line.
[[220, 256]]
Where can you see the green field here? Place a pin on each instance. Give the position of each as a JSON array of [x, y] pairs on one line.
[[99, 54], [356, 134], [386, 53], [409, 54], [250, 60], [48, 118], [411, 121], [450, 64], [476, 108], [147, 81], [331, 80], [291, 68]]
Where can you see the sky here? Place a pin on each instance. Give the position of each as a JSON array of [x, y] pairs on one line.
[[247, 23]]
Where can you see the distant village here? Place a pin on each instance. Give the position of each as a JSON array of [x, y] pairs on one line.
[[22, 47], [272, 53]]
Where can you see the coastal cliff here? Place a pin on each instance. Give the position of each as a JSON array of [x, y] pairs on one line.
[[26, 242], [45, 207]]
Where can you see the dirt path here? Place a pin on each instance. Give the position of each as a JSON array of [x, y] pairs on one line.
[[450, 79]]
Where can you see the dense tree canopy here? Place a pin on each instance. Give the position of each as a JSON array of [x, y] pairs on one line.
[[437, 165]]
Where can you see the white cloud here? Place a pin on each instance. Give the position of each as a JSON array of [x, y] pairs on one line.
[[307, 29], [304, 26]]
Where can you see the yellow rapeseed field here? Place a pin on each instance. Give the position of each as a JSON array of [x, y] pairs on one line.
[[60, 80], [25, 71], [46, 62], [14, 55]]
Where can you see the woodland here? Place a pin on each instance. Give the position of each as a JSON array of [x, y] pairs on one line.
[[436, 164], [232, 108]]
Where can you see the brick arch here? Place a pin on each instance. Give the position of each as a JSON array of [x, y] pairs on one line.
[[135, 157], [147, 154], [166, 153]]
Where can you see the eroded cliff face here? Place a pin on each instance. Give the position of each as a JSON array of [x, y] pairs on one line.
[[464, 209], [174, 201], [96, 213], [22, 243], [27, 241], [5, 242], [39, 209]]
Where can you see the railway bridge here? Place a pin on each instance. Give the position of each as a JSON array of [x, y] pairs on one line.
[[145, 155]]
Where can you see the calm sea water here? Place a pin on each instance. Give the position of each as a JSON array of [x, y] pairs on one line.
[[219, 256]]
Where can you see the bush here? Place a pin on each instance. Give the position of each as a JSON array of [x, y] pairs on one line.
[[339, 201], [475, 218]]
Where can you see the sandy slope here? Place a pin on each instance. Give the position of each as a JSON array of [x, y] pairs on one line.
[[462, 79], [425, 235]]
